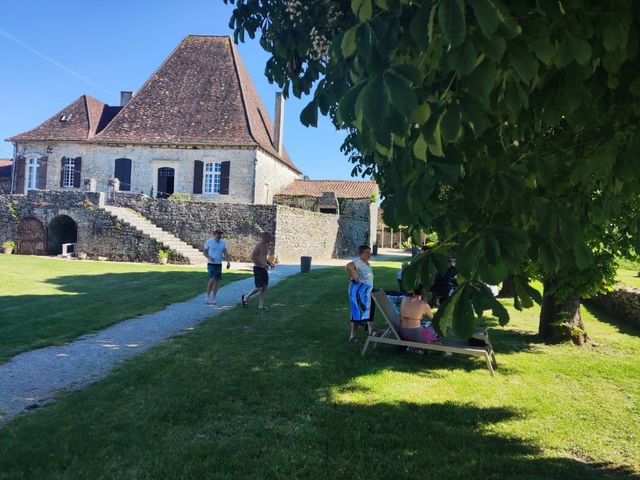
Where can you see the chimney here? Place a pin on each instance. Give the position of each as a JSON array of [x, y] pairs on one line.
[[125, 97], [279, 123]]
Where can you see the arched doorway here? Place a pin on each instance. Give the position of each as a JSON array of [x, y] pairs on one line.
[[166, 177], [62, 229], [31, 238]]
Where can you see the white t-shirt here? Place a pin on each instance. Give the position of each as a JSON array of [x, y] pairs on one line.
[[364, 271], [214, 249]]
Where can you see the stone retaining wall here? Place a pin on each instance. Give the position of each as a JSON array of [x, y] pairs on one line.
[[304, 233], [98, 233], [622, 303]]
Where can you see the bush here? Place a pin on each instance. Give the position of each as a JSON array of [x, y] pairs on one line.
[[180, 197]]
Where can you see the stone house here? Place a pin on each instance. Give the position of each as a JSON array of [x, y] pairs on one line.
[[197, 125]]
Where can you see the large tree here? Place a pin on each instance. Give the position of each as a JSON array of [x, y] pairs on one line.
[[510, 130]]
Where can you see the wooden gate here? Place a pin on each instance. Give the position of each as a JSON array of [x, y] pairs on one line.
[[31, 237]]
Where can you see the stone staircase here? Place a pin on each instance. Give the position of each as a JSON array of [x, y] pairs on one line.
[[168, 240]]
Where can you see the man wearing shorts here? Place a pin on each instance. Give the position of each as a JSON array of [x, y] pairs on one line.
[[215, 249], [260, 271]]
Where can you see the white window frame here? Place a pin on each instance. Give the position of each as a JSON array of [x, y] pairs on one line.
[[32, 174], [69, 172], [212, 178]]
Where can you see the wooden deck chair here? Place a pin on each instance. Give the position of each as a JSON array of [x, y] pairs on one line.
[[390, 336]]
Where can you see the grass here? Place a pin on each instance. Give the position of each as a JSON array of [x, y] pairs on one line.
[[46, 301], [281, 394]]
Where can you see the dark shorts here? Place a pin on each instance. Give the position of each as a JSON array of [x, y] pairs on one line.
[[261, 277], [215, 271]]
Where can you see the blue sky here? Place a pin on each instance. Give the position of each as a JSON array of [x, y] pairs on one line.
[[54, 51]]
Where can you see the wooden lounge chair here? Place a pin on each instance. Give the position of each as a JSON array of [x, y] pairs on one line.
[[390, 336]]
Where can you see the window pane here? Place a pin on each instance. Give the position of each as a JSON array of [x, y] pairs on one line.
[[68, 172]]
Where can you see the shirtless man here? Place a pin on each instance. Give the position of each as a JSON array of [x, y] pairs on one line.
[[412, 310], [260, 271]]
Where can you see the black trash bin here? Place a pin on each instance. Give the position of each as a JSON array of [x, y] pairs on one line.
[[375, 249], [414, 251], [305, 264]]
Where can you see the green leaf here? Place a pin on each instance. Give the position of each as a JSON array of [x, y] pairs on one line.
[[487, 16], [473, 114], [482, 80], [493, 48], [463, 58], [463, 316], [613, 36], [419, 23], [570, 228], [612, 61], [347, 106], [432, 135], [583, 255], [348, 45], [537, 34], [524, 64], [452, 22], [422, 113], [450, 125], [491, 250], [420, 148], [372, 103], [309, 114], [401, 94], [580, 48], [550, 257], [363, 9]]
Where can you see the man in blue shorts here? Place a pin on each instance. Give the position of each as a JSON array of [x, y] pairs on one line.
[[215, 249]]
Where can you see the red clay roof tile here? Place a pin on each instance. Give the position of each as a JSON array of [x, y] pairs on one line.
[[342, 188]]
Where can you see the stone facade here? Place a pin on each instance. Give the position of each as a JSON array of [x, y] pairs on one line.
[[254, 177], [304, 233]]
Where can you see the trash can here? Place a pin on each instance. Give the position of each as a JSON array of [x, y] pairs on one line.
[[414, 251], [305, 264], [375, 249]]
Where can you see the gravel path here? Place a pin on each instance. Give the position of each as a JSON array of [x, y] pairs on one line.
[[33, 378]]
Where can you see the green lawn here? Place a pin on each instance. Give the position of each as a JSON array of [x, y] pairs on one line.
[[47, 301], [282, 394]]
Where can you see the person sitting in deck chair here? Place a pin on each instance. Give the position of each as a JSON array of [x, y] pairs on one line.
[[412, 311]]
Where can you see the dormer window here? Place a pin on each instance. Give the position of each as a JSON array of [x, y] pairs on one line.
[[66, 117]]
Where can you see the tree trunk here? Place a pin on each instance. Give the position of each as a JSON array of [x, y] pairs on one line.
[[508, 289], [560, 319]]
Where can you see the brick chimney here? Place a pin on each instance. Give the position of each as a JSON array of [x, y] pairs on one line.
[[278, 126], [125, 97]]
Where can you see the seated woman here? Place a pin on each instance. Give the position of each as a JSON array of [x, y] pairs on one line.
[[412, 310]]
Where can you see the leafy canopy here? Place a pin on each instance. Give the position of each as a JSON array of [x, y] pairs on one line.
[[510, 129]]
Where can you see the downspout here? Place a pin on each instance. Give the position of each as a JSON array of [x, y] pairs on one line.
[[13, 167]]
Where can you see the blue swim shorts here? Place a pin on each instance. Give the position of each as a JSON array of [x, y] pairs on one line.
[[214, 270]]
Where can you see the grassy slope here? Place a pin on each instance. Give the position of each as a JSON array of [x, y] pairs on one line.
[[281, 394], [47, 301]]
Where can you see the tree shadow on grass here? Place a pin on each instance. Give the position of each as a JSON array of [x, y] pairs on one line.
[[621, 326], [91, 303]]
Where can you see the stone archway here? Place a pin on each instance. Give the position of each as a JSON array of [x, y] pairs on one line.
[[62, 229], [31, 237]]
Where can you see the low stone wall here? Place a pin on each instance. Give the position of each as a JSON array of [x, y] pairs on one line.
[[98, 233], [623, 303], [194, 221], [304, 233]]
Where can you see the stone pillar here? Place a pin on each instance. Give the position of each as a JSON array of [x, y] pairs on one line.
[[90, 185]]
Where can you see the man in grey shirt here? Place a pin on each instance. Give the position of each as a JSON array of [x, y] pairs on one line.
[[215, 249]]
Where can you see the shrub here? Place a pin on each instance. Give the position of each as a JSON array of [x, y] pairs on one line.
[[162, 253], [180, 197]]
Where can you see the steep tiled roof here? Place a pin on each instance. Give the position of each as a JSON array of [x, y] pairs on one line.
[[342, 188], [200, 95], [5, 167], [79, 121]]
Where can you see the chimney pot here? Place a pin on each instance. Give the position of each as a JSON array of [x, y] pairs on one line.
[[125, 97]]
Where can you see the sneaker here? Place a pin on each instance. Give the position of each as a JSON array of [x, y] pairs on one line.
[[353, 340], [244, 302], [264, 307]]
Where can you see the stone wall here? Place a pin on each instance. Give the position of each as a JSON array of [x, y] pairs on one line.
[[622, 303], [357, 221], [98, 233], [304, 233], [194, 222]]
